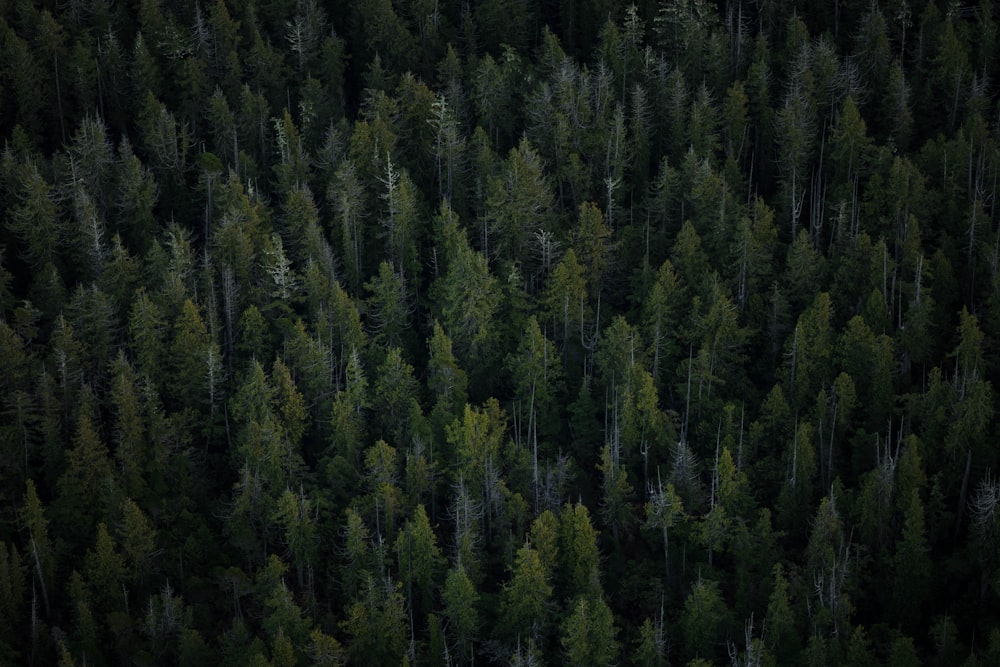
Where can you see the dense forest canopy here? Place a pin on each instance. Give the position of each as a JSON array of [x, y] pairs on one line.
[[435, 332]]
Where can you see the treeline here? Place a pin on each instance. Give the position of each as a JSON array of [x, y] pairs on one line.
[[505, 332]]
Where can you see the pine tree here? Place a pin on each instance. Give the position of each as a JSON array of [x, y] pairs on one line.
[[809, 350], [137, 537], [703, 620], [389, 306], [13, 588], [35, 220], [466, 298], [188, 357], [87, 485], [536, 376], [650, 650], [104, 569], [782, 637], [663, 510], [446, 381], [567, 303], [660, 307], [518, 205], [579, 559], [32, 519], [588, 635], [296, 519], [616, 501], [461, 601], [420, 560], [396, 402], [525, 601], [912, 565], [376, 623]]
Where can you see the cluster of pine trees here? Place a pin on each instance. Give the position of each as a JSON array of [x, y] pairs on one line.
[[506, 332]]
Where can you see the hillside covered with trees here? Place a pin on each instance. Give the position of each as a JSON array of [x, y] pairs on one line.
[[499, 332]]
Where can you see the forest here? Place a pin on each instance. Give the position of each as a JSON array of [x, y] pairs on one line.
[[427, 332]]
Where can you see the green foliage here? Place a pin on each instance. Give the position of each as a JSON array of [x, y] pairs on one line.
[[447, 382], [32, 518], [294, 517], [545, 537], [566, 302], [912, 564], [461, 600], [466, 297], [188, 355], [650, 648], [703, 620], [104, 569], [376, 623], [13, 581], [138, 540], [88, 480], [397, 391], [35, 219], [663, 510], [419, 558], [616, 498], [430, 333], [526, 598], [536, 375], [578, 555], [588, 634]]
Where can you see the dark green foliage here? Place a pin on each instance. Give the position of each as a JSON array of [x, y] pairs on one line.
[[498, 332], [703, 621]]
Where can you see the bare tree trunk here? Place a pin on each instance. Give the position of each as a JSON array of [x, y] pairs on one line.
[[963, 494], [41, 577]]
